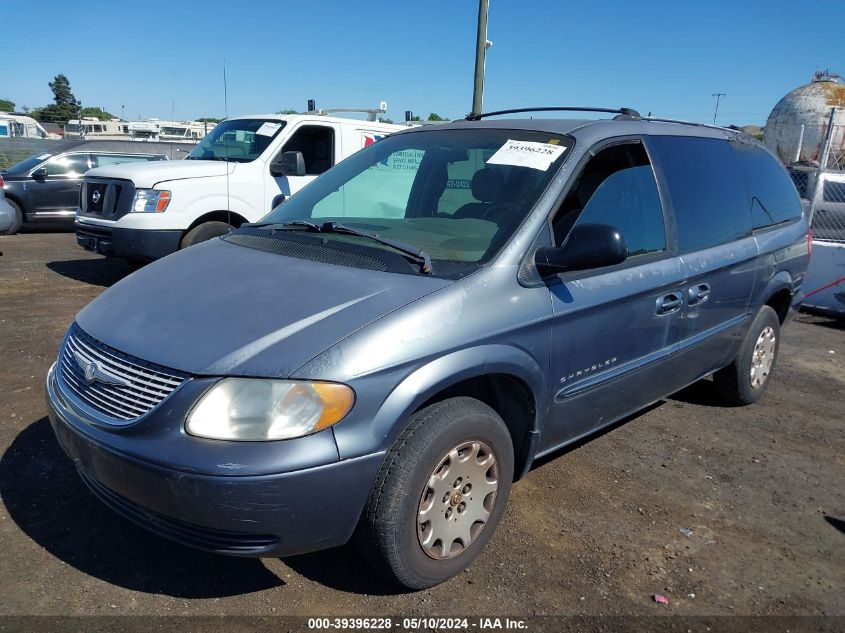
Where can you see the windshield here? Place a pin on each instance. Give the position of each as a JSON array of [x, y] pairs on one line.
[[239, 140], [24, 166], [457, 194]]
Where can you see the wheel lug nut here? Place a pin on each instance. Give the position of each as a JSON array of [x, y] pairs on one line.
[[462, 506], [467, 488], [458, 482]]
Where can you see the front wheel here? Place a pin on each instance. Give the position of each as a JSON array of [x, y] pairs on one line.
[[205, 231], [745, 380], [17, 220], [439, 495]]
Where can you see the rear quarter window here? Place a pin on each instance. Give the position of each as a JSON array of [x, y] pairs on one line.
[[773, 198], [706, 189]]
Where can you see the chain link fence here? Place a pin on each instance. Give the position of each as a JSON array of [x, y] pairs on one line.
[[823, 187], [14, 150]]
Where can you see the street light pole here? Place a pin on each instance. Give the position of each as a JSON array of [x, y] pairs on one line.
[[481, 46], [718, 96]]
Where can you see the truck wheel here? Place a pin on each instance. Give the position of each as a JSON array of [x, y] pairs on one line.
[[746, 378], [203, 232], [439, 495], [17, 222]]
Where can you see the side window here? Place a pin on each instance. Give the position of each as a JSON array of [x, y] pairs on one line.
[[389, 182], [70, 165], [773, 198], [617, 187], [103, 160], [834, 191], [316, 142], [706, 188]]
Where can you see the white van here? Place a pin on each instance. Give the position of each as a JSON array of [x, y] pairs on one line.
[[241, 170]]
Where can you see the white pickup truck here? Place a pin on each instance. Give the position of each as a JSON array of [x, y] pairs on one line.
[[242, 169]]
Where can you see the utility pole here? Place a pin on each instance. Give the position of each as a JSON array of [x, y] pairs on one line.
[[481, 46], [718, 96]]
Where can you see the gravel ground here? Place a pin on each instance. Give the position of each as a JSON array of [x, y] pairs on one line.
[[725, 511]]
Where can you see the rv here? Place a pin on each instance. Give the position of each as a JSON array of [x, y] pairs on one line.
[[92, 128], [14, 125]]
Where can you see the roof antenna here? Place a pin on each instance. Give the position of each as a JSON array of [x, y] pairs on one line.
[[226, 143]]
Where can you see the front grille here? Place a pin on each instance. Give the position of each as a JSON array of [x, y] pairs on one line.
[[119, 386], [106, 198], [222, 541]]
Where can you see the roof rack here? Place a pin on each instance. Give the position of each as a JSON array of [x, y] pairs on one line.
[[695, 123], [628, 112]]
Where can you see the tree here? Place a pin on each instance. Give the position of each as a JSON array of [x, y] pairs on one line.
[[64, 107], [91, 112], [384, 119], [436, 117], [209, 119], [7, 105], [287, 111]]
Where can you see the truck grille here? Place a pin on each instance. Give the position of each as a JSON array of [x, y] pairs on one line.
[[105, 198], [120, 387]]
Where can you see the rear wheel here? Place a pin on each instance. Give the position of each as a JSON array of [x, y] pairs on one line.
[[439, 495], [205, 231], [745, 380], [17, 221]]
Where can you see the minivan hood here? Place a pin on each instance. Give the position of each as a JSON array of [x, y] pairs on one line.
[[148, 174], [222, 309]]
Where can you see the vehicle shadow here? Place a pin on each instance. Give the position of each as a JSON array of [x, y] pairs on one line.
[[48, 501], [701, 393], [344, 569], [838, 524], [103, 271]]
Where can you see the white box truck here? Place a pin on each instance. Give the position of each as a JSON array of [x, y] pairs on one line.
[[242, 169]]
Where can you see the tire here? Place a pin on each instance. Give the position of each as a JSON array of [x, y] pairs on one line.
[[203, 232], [17, 223], [389, 535], [135, 263], [735, 383]]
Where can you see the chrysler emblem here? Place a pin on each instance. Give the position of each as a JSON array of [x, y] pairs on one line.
[[96, 196], [93, 372]]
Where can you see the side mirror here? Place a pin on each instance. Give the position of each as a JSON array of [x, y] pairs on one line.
[[40, 173], [588, 246], [288, 164]]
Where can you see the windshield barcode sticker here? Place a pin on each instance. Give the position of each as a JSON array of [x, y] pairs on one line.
[[527, 154], [268, 129]]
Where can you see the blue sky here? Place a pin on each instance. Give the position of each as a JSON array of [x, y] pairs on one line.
[[663, 57]]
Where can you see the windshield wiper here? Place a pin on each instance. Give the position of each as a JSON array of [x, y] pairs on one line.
[[417, 254]]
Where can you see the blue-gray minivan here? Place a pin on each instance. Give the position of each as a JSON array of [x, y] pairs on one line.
[[388, 350]]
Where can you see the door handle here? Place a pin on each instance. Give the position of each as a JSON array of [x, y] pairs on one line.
[[698, 294], [667, 304]]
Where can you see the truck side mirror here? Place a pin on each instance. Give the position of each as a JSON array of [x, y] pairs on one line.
[[588, 246], [288, 164]]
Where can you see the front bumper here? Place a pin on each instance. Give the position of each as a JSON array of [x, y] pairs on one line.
[[277, 514], [130, 243]]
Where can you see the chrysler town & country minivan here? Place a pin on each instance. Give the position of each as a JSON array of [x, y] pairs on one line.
[[381, 356]]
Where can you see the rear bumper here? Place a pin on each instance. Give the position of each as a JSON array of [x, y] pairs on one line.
[[267, 515], [129, 243]]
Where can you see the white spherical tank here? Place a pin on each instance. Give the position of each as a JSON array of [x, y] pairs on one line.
[[796, 127]]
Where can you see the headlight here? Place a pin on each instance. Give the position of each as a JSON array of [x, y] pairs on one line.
[[255, 409], [150, 201]]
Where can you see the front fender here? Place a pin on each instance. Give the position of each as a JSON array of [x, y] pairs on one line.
[[378, 421]]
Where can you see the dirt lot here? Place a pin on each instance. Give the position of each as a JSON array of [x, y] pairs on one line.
[[594, 531]]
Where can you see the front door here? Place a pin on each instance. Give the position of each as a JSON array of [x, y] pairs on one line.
[[318, 144], [57, 193], [614, 330]]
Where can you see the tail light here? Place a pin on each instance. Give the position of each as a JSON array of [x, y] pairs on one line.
[[810, 243], [2, 182]]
